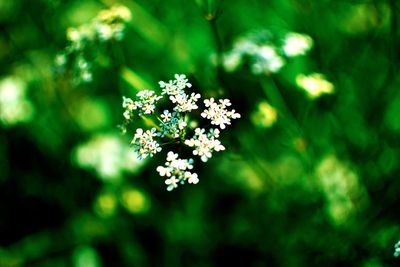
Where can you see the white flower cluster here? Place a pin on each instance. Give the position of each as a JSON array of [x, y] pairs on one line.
[[265, 54], [217, 112], [175, 87], [397, 249], [176, 171], [175, 127], [144, 143], [205, 144], [175, 90], [108, 25], [145, 103]]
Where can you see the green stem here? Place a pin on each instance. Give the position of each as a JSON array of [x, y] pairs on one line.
[[212, 19], [273, 94]]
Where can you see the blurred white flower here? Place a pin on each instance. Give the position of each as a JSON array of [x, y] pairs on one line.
[[108, 156], [231, 61], [343, 192], [15, 107], [297, 44], [264, 53], [267, 60], [108, 25]]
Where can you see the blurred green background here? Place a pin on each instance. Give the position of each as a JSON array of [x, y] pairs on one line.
[[303, 182]]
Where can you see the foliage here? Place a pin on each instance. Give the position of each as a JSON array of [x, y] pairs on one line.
[[308, 175]]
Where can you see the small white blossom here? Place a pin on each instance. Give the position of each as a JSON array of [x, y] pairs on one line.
[[172, 183], [205, 144], [217, 112], [192, 177], [176, 171], [144, 144]]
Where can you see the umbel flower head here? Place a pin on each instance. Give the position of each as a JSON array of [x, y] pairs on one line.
[[217, 112], [177, 171], [173, 127], [205, 144], [144, 144]]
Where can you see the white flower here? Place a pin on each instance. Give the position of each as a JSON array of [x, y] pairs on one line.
[[205, 144], [296, 44], [171, 156], [176, 171], [166, 116], [144, 144], [217, 112], [192, 177], [172, 183]]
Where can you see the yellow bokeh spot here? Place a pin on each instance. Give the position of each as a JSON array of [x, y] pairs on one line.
[[135, 201], [265, 116], [105, 205], [314, 85]]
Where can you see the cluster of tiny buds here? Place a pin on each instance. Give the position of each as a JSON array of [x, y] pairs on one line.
[[175, 125]]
